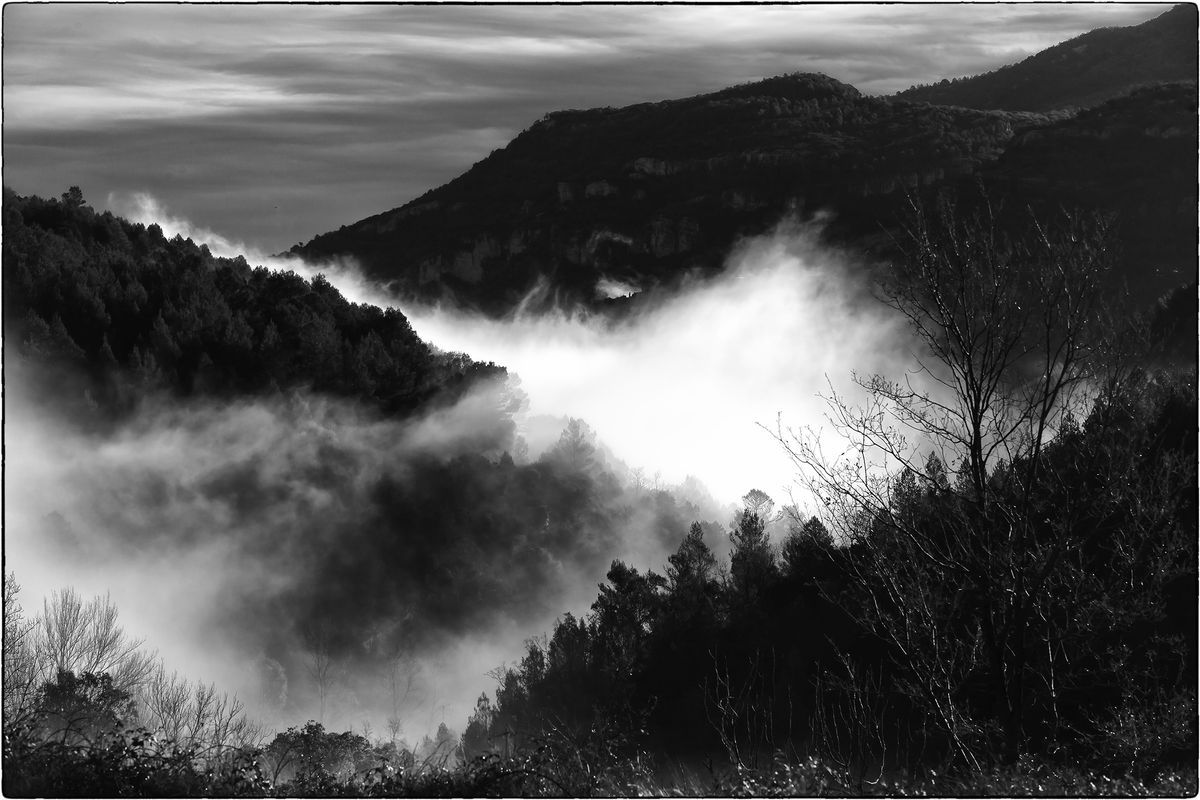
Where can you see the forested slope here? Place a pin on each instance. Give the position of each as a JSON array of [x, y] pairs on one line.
[[1001, 574], [647, 194], [136, 312], [1080, 72], [1011, 619], [371, 493]]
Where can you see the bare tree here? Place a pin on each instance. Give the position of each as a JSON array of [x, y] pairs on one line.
[[73, 636], [320, 664], [195, 716], [1008, 330], [848, 726], [748, 709], [21, 673], [756, 501], [74, 663], [402, 675], [390, 643]]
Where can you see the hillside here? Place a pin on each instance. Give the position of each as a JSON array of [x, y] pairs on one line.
[[1080, 72], [362, 478], [1135, 157], [367, 544], [118, 311], [647, 193], [642, 193]]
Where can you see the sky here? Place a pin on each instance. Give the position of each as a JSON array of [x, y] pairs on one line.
[[270, 124], [253, 127]]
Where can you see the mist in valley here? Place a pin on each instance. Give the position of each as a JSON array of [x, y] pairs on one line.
[[560, 524], [692, 384], [549, 479], [246, 540]]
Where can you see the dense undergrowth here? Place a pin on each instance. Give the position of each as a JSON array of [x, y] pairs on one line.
[[135, 764]]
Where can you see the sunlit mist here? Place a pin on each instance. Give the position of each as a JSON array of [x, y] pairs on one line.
[[685, 389], [687, 386]]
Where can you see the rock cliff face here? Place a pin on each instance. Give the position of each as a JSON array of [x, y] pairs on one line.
[[647, 193]]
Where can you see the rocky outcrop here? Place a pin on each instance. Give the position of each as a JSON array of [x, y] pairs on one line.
[[670, 237], [466, 265]]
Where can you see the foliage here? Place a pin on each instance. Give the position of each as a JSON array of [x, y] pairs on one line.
[[1007, 588], [1020, 598], [77, 688], [654, 191], [82, 708], [121, 764], [139, 313], [312, 759]]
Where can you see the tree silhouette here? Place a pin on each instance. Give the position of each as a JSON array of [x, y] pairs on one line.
[[1012, 329]]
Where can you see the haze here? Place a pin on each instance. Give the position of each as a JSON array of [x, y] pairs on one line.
[[274, 123], [250, 128]]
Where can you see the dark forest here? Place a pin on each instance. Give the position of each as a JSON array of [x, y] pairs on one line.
[[1018, 605], [984, 581]]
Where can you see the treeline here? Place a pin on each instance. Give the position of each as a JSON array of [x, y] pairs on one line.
[[1079, 72], [454, 548], [780, 653], [435, 521], [90, 712], [1002, 600], [93, 294], [1003, 576], [676, 183], [437, 524]]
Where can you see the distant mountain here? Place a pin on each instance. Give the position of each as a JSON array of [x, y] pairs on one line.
[[1134, 157], [1080, 72], [643, 193], [112, 312]]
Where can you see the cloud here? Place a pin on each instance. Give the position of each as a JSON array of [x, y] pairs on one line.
[[685, 386], [334, 113], [229, 532]]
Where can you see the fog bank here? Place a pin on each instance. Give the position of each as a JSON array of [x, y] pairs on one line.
[[244, 538], [684, 386]]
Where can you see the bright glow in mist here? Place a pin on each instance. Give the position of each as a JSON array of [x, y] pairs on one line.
[[686, 386]]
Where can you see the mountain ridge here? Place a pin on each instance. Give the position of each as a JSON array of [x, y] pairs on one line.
[[1082, 71], [644, 194]]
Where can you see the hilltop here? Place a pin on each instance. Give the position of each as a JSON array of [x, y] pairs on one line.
[[1080, 72], [643, 195]]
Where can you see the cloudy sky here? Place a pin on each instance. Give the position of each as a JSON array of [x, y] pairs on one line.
[[273, 123]]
